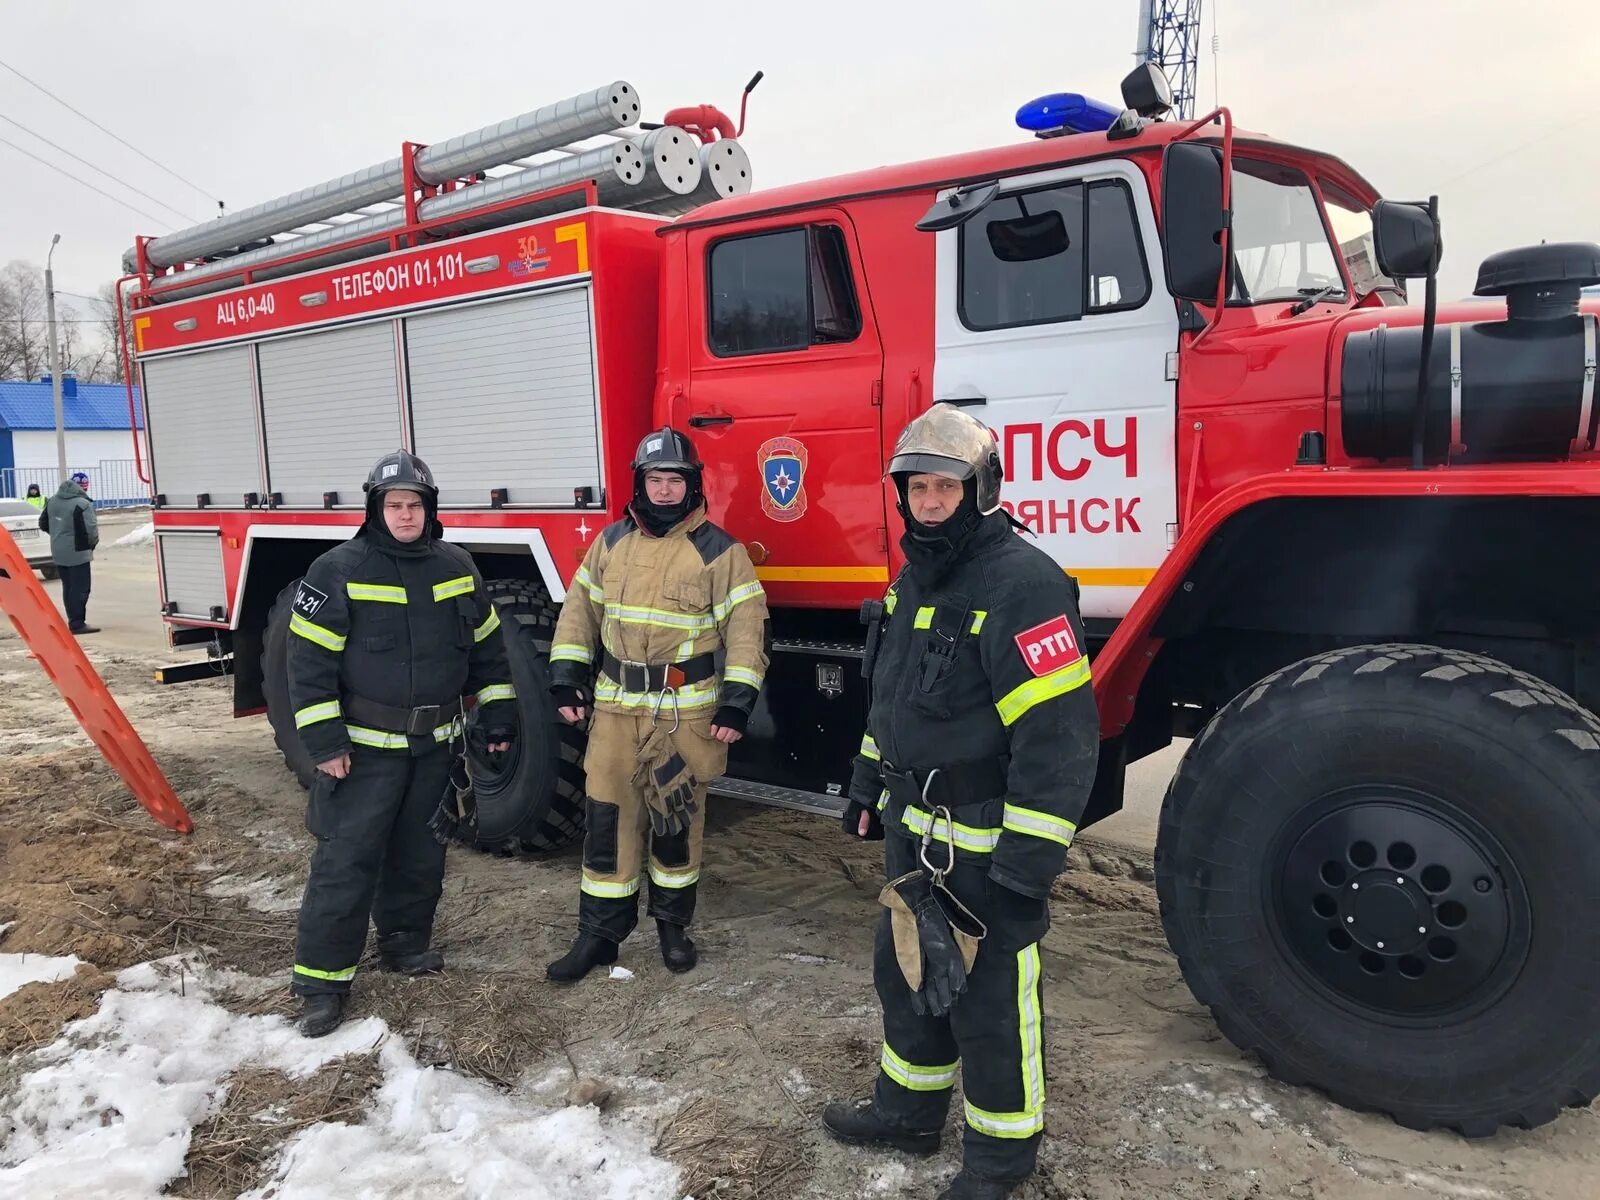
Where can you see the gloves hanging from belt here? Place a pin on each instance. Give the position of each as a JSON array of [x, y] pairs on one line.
[[934, 964], [666, 782], [456, 818]]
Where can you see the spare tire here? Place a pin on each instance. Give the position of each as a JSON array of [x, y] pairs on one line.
[[1377, 867], [532, 799], [275, 686]]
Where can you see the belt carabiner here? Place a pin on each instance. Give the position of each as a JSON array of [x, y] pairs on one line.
[[935, 813], [661, 698]]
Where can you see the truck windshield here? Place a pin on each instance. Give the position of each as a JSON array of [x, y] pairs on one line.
[[1352, 231], [1281, 248]]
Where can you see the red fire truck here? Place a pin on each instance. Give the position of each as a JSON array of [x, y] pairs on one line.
[[1338, 541]]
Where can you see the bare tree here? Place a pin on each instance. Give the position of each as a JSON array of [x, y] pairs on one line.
[[87, 340], [23, 342]]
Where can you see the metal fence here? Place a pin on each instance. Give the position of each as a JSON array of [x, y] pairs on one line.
[[113, 482]]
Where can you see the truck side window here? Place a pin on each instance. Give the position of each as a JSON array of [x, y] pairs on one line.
[[1118, 276], [1054, 254], [774, 292]]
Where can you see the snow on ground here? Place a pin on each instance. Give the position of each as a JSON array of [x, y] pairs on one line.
[[107, 1111], [264, 895], [142, 535], [16, 970]]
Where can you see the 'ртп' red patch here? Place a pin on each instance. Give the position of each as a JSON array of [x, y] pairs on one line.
[[1050, 646]]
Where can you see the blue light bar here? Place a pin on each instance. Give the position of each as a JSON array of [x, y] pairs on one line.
[[1067, 110]]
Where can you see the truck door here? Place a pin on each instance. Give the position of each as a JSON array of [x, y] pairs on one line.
[[783, 404], [1054, 327]]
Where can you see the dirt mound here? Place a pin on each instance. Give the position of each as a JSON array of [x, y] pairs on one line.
[[32, 1016], [82, 878]]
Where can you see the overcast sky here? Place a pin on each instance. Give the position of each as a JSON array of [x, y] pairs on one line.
[[1495, 106]]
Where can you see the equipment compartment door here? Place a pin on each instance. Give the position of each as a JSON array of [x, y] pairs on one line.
[[332, 403], [503, 396], [204, 433], [192, 579], [783, 405], [1054, 326]]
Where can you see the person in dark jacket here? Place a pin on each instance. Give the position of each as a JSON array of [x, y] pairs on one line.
[[387, 634], [980, 751], [68, 517]]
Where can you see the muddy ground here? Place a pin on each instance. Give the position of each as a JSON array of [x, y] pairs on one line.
[[731, 1063]]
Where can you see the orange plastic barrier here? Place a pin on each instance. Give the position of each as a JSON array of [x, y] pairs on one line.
[[45, 631]]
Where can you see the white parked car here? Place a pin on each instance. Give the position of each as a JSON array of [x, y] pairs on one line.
[[21, 521]]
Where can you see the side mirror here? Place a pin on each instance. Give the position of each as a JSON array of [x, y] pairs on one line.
[[959, 207], [1406, 239], [1193, 220]]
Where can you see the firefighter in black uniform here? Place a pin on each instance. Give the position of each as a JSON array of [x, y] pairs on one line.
[[980, 752], [388, 632]]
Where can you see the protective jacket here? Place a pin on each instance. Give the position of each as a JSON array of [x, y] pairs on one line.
[[986, 678], [640, 602], [69, 518], [982, 738], [406, 631]]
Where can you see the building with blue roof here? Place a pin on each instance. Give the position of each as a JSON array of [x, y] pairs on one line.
[[99, 438]]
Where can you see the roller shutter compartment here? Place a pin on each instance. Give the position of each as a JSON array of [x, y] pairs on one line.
[[192, 576], [332, 404], [203, 433], [503, 396]]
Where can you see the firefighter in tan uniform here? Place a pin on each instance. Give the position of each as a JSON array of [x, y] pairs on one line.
[[659, 594]]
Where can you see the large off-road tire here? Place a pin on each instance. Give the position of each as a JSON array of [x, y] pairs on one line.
[[533, 797], [275, 685], [1380, 870]]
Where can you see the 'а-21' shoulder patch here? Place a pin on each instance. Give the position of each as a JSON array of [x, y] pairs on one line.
[[308, 601]]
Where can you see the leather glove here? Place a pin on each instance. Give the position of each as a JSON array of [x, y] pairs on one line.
[[667, 783], [1012, 906], [852, 820], [456, 818], [924, 945]]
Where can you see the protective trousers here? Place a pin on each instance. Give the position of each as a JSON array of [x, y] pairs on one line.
[[376, 858], [619, 823], [994, 1034]]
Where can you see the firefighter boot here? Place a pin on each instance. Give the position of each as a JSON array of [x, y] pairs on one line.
[[322, 1013], [422, 962], [677, 951], [857, 1123], [967, 1186], [588, 952]]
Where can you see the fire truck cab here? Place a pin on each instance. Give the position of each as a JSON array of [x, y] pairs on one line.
[[1334, 538]]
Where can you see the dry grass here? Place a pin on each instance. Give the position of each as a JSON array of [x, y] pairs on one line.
[[733, 1157], [492, 1026], [233, 1150]]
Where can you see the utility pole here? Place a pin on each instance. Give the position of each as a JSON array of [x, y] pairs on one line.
[[55, 360]]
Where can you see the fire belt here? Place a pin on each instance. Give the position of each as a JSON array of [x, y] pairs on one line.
[[658, 677], [417, 722]]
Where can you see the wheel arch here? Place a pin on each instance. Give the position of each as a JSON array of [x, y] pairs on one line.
[[1269, 575]]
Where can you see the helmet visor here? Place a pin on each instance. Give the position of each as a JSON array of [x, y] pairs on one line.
[[930, 464]]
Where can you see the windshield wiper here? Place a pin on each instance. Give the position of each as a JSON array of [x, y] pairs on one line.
[[1314, 297]]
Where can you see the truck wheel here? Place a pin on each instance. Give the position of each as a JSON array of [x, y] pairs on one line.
[[533, 799], [49, 571], [275, 684], [1377, 868]]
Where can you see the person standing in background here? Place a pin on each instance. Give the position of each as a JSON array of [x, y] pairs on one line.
[[68, 517]]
